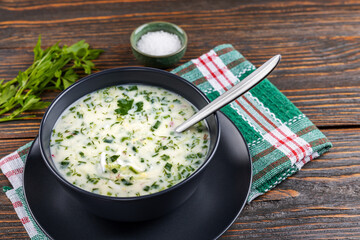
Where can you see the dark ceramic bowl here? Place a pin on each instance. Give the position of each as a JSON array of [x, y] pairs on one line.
[[164, 61], [129, 208]]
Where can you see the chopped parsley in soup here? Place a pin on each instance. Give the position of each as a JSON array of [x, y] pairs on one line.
[[121, 141]]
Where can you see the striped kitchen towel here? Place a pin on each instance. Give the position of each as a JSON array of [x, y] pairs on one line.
[[12, 166], [281, 139]]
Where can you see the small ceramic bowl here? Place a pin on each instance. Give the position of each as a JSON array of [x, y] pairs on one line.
[[139, 208], [164, 61]]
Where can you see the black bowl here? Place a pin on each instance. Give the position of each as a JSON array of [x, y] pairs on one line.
[[129, 208]]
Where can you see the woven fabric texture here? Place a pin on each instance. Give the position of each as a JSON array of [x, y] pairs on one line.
[[281, 139]]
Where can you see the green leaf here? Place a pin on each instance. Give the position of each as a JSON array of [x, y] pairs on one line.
[[7, 94], [66, 83], [75, 48], [38, 52], [31, 100], [87, 69], [39, 105], [58, 73], [94, 54], [124, 106], [89, 63]]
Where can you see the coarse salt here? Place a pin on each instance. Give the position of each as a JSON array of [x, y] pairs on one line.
[[159, 43]]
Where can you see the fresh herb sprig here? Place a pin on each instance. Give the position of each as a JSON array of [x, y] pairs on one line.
[[53, 68]]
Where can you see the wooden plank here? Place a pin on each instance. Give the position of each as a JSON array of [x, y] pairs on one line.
[[335, 103], [275, 19], [319, 73], [320, 200], [9, 145], [318, 40]]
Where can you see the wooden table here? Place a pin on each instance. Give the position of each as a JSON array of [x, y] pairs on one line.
[[319, 73]]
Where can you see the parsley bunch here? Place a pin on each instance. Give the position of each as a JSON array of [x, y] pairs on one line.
[[53, 68]]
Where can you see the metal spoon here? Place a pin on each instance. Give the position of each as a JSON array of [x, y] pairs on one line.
[[239, 89]]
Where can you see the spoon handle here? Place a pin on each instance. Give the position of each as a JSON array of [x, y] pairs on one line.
[[242, 87]]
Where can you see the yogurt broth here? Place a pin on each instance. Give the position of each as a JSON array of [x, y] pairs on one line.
[[120, 141]]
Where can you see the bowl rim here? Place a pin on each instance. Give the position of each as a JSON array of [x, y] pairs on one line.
[[58, 176], [133, 43]]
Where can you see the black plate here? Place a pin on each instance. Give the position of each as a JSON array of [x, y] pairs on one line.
[[212, 209]]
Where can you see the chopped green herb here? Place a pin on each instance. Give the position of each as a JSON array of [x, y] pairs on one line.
[[133, 170], [124, 106], [191, 156], [139, 106], [168, 166], [126, 182], [165, 157], [134, 149], [156, 126], [93, 180], [133, 88], [64, 164], [87, 99], [154, 185], [81, 154], [108, 140], [114, 123], [80, 115], [113, 158], [114, 170]]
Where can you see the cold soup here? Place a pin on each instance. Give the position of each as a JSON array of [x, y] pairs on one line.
[[120, 141]]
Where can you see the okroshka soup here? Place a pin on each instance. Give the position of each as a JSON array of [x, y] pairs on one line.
[[120, 141]]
